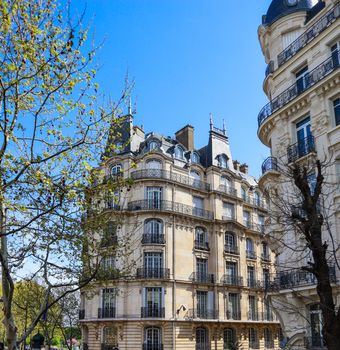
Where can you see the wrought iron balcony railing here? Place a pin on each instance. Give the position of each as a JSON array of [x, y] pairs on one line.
[[153, 311], [250, 254], [267, 316], [167, 175], [153, 238], [162, 205], [232, 280], [270, 164], [203, 313], [153, 273], [231, 249], [233, 315], [305, 38], [253, 316], [265, 257], [201, 245], [152, 346], [228, 217], [202, 277], [313, 77], [107, 312], [253, 283], [81, 314], [228, 189], [300, 149]]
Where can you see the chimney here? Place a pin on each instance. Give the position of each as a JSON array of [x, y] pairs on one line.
[[244, 168], [185, 136], [236, 165]]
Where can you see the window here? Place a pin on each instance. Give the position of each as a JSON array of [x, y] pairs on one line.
[[153, 302], [230, 245], [154, 197], [250, 248], [311, 179], [223, 161], [252, 308], [257, 199], [198, 205], [268, 339], [253, 339], [202, 339], [110, 336], [305, 141], [316, 321], [153, 231], [251, 276], [246, 218], [153, 265], [244, 193], [234, 310], [108, 263], [231, 271], [337, 174], [302, 79], [152, 338], [195, 158], [153, 145], [226, 184], [116, 170], [289, 37], [265, 252], [266, 278], [335, 50], [109, 235], [195, 179], [202, 304], [201, 238], [154, 164], [179, 152], [108, 309], [268, 314], [229, 339], [336, 106], [201, 270], [113, 200], [228, 211]]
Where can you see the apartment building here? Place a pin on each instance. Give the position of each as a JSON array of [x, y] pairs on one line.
[[195, 220], [300, 40]]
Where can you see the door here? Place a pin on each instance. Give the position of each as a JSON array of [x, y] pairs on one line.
[[202, 340], [304, 137], [153, 263], [202, 304], [231, 273], [302, 79], [154, 168], [202, 269], [154, 197], [152, 338], [153, 302]]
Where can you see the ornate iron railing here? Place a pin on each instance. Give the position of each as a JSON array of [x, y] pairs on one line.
[[253, 316], [250, 254], [305, 38], [265, 257], [154, 311], [228, 189], [231, 249], [253, 283], [163, 205], [202, 277], [153, 273], [167, 175], [233, 315], [201, 245], [270, 164], [311, 78], [202, 313], [232, 280], [107, 312], [300, 148], [153, 238]]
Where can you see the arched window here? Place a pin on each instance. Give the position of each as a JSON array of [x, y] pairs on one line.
[[116, 170], [253, 339], [195, 158], [152, 338], [223, 161], [257, 199], [230, 242], [153, 232], [268, 339], [196, 179], [229, 339], [202, 338], [179, 152], [110, 336], [153, 145], [243, 193], [201, 238], [249, 245]]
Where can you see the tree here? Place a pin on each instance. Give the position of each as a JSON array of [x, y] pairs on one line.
[[52, 132], [302, 211]]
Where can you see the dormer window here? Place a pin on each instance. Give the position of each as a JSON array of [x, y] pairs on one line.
[[179, 152], [222, 161], [153, 145], [116, 170], [195, 158]]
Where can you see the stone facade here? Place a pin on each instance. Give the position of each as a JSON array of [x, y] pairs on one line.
[[195, 221], [300, 124]]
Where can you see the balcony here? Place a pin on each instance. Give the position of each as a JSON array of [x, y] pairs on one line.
[[202, 277], [267, 316], [253, 316], [270, 164], [81, 314], [231, 249], [232, 280], [318, 27], [154, 311], [228, 190], [107, 312], [153, 238], [152, 346], [204, 314], [201, 245], [250, 254], [312, 78], [294, 279], [253, 283], [167, 175], [300, 149], [162, 205], [153, 273], [233, 315], [229, 217], [265, 257]]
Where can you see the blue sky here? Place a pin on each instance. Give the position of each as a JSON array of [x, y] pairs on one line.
[[188, 58]]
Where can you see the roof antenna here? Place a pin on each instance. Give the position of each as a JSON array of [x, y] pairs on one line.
[[130, 108], [224, 128], [211, 121]]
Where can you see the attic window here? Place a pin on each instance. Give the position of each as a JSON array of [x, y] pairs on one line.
[[179, 152], [222, 161], [195, 158], [116, 170], [153, 145]]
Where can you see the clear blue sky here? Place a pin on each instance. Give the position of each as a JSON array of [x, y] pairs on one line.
[[188, 58]]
